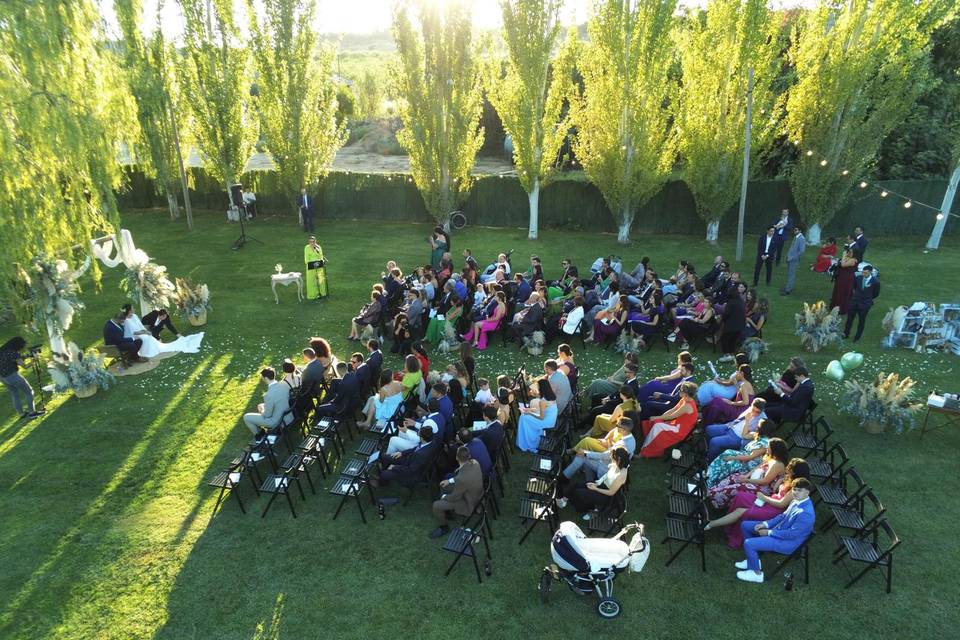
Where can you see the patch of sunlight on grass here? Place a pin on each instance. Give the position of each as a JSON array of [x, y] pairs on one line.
[[271, 632]]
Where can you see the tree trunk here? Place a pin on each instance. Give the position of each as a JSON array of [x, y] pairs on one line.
[[713, 231], [172, 205], [534, 198], [180, 169], [934, 242], [626, 220], [813, 234]]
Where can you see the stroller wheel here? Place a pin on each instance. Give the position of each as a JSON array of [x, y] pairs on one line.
[[546, 582], [608, 607]]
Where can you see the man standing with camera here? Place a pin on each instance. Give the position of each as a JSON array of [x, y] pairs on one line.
[[10, 362]]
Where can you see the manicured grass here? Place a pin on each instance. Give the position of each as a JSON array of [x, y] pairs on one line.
[[106, 516]]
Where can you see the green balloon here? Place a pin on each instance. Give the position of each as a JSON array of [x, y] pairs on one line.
[[851, 361], [835, 371]]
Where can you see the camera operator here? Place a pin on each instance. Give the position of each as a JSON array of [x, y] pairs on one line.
[[11, 359]]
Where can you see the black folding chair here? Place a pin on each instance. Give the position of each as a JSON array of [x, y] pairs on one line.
[[465, 540], [855, 517], [229, 480], [279, 484], [687, 532], [351, 484], [802, 552], [827, 466], [539, 510], [606, 521], [844, 491], [865, 548], [811, 439]]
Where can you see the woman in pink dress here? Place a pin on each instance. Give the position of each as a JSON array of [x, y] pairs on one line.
[[724, 410], [673, 427], [480, 329], [762, 479], [846, 269], [744, 505]]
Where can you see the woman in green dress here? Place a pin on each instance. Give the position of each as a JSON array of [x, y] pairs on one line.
[[316, 270], [440, 244]]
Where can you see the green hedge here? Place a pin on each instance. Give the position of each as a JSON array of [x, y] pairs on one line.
[[569, 203]]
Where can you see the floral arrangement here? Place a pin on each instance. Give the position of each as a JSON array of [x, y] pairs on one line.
[[534, 343], [78, 370], [148, 282], [449, 342], [53, 292], [753, 347], [278, 268], [191, 299], [885, 401], [818, 326], [627, 343]]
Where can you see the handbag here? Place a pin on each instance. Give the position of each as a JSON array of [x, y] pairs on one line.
[[316, 264]]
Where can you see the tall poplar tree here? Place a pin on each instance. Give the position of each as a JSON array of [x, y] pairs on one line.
[[65, 109], [625, 140], [860, 67], [216, 82], [151, 83], [529, 95], [437, 81], [296, 100], [717, 51]]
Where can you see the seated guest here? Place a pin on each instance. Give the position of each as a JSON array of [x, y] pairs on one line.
[[744, 505], [567, 366], [647, 325], [622, 428], [568, 323], [538, 417], [419, 351], [410, 466], [461, 494], [276, 402], [763, 478], [384, 404], [602, 387], [724, 410], [487, 322], [369, 315], [756, 318], [476, 447], [594, 463], [484, 395], [439, 391], [604, 422], [325, 357], [411, 377], [158, 320], [783, 534], [659, 403], [734, 434], [491, 435], [733, 321], [505, 399], [523, 289], [710, 277], [560, 384], [697, 326], [826, 257], [408, 432], [609, 403], [664, 431], [528, 319], [787, 382], [792, 405], [721, 387], [344, 393], [744, 459], [312, 372], [291, 375], [598, 495], [129, 348], [608, 323], [667, 383]]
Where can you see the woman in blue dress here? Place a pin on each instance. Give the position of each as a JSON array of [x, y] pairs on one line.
[[725, 388], [664, 384], [538, 417]]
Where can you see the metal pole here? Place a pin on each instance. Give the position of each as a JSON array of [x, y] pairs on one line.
[[934, 242], [746, 167]]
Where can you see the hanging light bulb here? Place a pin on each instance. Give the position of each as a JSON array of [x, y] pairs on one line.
[[883, 194], [939, 216], [907, 204], [845, 172], [863, 184], [809, 153], [823, 163]]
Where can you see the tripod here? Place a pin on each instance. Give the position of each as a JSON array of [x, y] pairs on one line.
[[242, 240], [38, 368]]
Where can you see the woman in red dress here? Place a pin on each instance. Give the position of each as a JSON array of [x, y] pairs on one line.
[[825, 258], [671, 428], [844, 281]]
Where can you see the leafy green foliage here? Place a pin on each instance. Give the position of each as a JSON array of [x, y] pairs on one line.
[[437, 80], [625, 140]]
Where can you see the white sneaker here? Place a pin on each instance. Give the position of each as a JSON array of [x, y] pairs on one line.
[[586, 517], [672, 337], [741, 565], [750, 576], [561, 503], [685, 345]]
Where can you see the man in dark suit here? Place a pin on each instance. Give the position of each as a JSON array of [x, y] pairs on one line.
[[529, 318], [492, 435], [158, 320], [791, 406], [375, 359], [784, 230], [860, 241], [710, 277], [411, 465], [766, 245], [128, 347], [344, 392], [305, 203], [463, 492], [866, 287], [660, 403]]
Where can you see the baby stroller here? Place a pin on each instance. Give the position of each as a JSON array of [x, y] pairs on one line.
[[589, 565]]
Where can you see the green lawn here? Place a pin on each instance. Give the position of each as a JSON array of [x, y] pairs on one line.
[[106, 527]]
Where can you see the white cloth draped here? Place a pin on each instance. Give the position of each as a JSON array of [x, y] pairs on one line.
[[152, 347]]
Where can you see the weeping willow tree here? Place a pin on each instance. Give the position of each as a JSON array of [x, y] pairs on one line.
[[151, 83], [529, 95], [718, 50], [860, 67], [437, 81], [296, 99], [625, 140], [65, 109], [216, 84]]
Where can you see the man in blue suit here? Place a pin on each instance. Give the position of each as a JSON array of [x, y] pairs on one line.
[[781, 535], [128, 347]]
